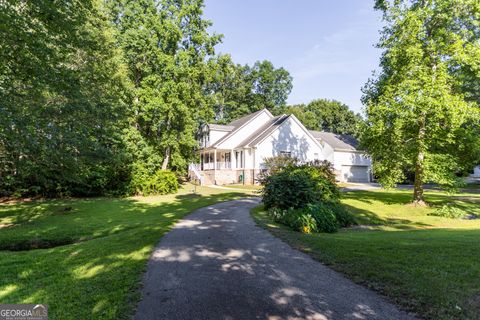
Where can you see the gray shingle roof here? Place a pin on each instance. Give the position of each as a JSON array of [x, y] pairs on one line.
[[336, 141], [265, 130], [220, 127], [241, 121], [237, 124]]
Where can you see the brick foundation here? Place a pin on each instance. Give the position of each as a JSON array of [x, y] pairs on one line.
[[233, 176]]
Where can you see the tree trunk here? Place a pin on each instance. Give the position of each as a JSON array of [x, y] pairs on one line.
[[418, 198], [166, 159]]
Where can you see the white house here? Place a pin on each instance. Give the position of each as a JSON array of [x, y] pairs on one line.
[[236, 152]]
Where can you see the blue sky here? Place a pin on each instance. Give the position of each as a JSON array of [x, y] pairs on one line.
[[326, 45]]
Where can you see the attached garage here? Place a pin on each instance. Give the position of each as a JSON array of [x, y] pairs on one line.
[[350, 164], [353, 173]]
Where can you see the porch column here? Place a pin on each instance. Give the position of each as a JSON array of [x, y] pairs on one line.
[[215, 164]]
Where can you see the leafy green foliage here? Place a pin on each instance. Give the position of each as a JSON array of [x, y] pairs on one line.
[[295, 219], [162, 182], [294, 186], [329, 216], [62, 99], [239, 90], [324, 217], [303, 196], [306, 223], [166, 45], [320, 216], [448, 211], [326, 115], [98, 96], [422, 114]]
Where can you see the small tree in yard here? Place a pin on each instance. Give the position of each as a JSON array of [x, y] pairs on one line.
[[421, 112]]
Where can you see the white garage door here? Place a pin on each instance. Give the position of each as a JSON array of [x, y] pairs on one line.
[[355, 173]]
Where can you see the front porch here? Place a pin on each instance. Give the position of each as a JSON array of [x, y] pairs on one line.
[[223, 167], [219, 159]]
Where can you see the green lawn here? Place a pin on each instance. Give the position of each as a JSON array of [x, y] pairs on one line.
[[251, 187], [426, 264], [98, 275]]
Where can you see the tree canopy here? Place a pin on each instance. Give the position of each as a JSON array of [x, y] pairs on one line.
[[239, 90], [61, 98], [422, 108], [166, 47], [97, 96], [326, 115]]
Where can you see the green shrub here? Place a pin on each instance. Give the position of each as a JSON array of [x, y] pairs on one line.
[[344, 217], [295, 186], [448, 211], [326, 221], [322, 217], [162, 182], [306, 223], [295, 219]]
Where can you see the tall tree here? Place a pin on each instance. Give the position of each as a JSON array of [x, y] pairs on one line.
[[419, 114], [271, 86], [61, 94], [229, 88], [166, 45], [239, 90], [326, 115]]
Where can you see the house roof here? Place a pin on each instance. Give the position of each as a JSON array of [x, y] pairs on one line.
[[238, 123], [264, 131], [337, 141], [241, 121], [220, 127]]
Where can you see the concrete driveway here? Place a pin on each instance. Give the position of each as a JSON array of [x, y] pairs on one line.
[[217, 264]]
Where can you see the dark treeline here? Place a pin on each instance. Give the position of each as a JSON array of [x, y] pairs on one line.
[[101, 97]]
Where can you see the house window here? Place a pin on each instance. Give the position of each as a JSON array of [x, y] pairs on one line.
[[286, 154]]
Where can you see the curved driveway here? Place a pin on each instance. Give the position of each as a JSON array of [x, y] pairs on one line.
[[217, 264]]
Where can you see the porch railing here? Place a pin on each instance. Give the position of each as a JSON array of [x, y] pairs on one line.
[[224, 165], [211, 166], [194, 173]]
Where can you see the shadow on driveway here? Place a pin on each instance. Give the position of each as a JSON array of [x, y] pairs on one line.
[[217, 264]]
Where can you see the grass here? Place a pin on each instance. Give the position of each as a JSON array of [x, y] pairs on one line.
[[425, 264], [251, 187], [98, 273], [345, 184]]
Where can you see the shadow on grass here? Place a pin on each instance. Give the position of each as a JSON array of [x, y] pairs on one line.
[[98, 278], [431, 272], [435, 200], [367, 217]]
